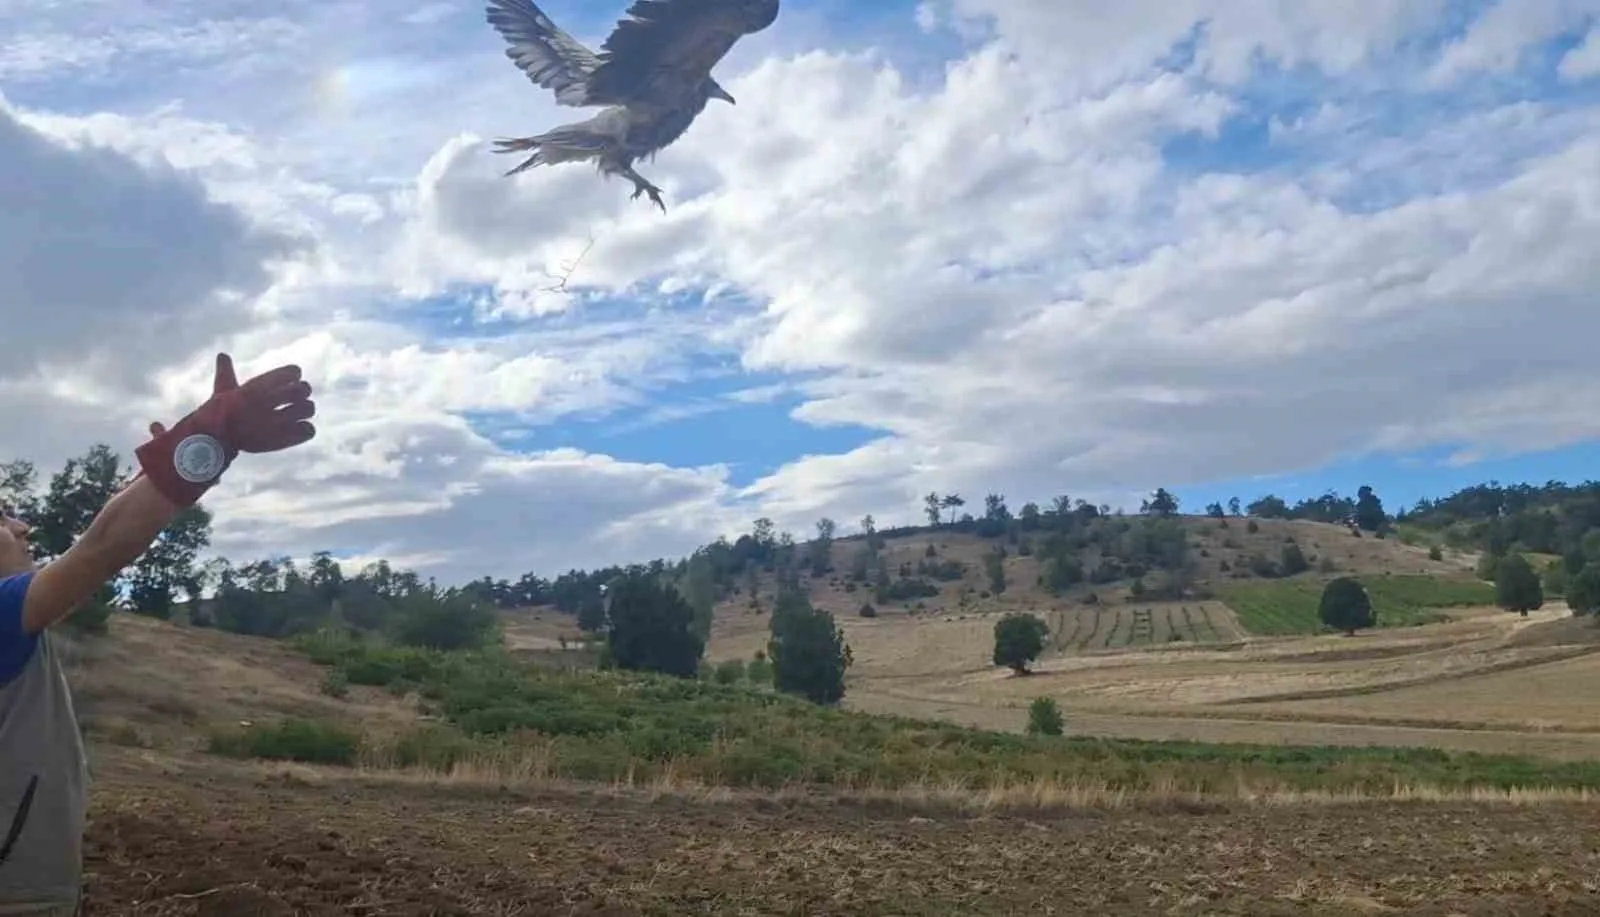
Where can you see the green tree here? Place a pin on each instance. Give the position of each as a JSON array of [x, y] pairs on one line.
[[1516, 586], [1233, 506], [1044, 717], [1029, 518], [994, 563], [1268, 507], [1062, 573], [698, 586], [1215, 511], [76, 495], [822, 547], [932, 506], [1293, 560], [168, 567], [1018, 640], [1369, 510], [1346, 606], [808, 650], [869, 529], [651, 627], [444, 620], [1583, 591], [1161, 503], [952, 502]]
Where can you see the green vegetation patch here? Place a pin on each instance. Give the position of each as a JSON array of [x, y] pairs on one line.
[[1285, 607], [610, 726]]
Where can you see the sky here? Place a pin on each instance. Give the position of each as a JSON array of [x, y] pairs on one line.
[[1227, 247]]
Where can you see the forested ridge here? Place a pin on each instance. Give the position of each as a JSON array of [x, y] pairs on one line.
[[1075, 542]]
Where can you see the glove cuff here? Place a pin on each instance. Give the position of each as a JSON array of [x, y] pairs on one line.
[[185, 461]]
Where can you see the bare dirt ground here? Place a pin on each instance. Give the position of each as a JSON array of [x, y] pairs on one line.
[[239, 841]]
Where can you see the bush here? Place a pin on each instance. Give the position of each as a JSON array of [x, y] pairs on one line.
[[336, 683], [729, 671], [293, 739], [1252, 527], [1435, 553], [1044, 717], [867, 611], [759, 671]]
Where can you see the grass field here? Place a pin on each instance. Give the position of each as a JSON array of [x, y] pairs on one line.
[[1282, 607]]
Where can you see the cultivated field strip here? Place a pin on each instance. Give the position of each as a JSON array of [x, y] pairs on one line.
[[1107, 627]]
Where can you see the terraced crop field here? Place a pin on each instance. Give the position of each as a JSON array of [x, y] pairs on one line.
[[1102, 627]]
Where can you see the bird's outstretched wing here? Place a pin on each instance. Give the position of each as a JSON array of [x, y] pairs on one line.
[[550, 57], [668, 47]]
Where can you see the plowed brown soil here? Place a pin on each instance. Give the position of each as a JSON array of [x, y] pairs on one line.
[[229, 843]]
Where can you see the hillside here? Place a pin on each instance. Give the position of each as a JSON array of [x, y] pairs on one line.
[[951, 567]]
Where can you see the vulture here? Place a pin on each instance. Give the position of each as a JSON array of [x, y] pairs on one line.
[[651, 78]]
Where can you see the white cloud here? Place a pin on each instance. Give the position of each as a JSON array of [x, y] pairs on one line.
[[1005, 270], [1499, 40], [109, 269], [1583, 61]]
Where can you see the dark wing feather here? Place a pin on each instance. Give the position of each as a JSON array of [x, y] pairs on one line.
[[550, 57], [664, 49]]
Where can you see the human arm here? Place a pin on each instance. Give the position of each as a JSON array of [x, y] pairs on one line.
[[124, 529], [268, 413]]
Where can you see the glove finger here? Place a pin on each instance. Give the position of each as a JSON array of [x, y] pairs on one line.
[[292, 434], [304, 409], [283, 394], [279, 430], [225, 378], [273, 379]]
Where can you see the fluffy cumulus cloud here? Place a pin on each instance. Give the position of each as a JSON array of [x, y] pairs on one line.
[[1026, 247]]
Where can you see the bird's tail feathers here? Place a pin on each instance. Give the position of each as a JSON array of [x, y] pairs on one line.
[[564, 144]]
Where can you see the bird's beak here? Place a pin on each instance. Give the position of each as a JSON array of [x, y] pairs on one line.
[[720, 93]]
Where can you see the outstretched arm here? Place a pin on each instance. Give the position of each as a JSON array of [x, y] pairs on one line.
[[125, 528], [269, 412]]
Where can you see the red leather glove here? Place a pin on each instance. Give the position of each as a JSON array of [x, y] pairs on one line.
[[269, 412]]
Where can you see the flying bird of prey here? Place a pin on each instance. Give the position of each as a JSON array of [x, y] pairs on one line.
[[652, 75]]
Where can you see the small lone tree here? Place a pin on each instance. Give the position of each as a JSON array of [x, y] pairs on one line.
[[1516, 586], [1583, 591], [652, 628], [1346, 606], [1369, 514], [808, 650], [1044, 717], [1018, 640]]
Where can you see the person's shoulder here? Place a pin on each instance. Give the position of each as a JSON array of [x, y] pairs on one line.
[[16, 644]]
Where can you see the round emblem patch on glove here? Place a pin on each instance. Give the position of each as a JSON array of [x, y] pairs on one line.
[[199, 458]]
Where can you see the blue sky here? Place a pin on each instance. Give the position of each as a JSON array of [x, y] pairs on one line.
[[1068, 246]]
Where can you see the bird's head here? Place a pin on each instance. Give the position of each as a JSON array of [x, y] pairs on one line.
[[714, 90]]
